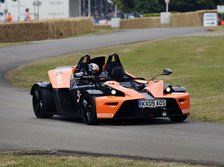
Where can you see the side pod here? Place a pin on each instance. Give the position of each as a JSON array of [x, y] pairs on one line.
[[46, 85], [45, 89]]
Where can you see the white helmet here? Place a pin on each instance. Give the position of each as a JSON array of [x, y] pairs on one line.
[[93, 69]]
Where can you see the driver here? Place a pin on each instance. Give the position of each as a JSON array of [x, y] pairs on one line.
[[93, 69]]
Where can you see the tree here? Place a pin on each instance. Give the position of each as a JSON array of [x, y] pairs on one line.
[[151, 6], [191, 5], [125, 5], [219, 2], [142, 6], [146, 6]]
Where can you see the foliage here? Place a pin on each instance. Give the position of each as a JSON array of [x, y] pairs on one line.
[[145, 6], [191, 5], [152, 6]]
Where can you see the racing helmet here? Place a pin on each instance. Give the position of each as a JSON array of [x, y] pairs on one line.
[[93, 69]]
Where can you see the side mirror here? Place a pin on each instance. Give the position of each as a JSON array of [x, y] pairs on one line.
[[79, 74], [167, 71]]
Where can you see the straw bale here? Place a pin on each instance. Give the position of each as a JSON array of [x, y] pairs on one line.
[[188, 19], [44, 29]]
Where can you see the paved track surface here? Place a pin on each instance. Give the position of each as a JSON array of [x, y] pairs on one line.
[[155, 139]]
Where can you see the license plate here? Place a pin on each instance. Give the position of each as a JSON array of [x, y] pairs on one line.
[[151, 103]]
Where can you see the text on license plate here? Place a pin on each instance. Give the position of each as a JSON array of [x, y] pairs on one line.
[[151, 103]]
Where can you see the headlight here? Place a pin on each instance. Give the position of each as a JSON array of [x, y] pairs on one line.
[[113, 92], [168, 89]]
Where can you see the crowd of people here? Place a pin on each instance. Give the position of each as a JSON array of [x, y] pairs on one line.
[[9, 18]]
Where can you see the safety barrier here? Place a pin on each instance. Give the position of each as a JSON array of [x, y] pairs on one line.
[[44, 29], [188, 19]]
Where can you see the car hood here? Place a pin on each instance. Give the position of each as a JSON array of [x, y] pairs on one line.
[[153, 89]]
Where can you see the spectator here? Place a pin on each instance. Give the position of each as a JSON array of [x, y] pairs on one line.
[[27, 15], [9, 17]]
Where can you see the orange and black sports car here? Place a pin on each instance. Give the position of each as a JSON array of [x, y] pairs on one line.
[[96, 90]]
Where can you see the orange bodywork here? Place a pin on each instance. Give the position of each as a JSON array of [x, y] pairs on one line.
[[107, 106], [183, 99], [60, 77]]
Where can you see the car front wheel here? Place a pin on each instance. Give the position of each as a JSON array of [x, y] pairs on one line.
[[88, 109]]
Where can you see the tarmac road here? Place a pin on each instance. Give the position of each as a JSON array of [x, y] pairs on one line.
[[156, 139]]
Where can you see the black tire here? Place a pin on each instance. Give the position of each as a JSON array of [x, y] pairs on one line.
[[88, 109], [178, 118], [40, 103]]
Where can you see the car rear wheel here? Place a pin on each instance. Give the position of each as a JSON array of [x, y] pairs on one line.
[[88, 109], [178, 118], [40, 104]]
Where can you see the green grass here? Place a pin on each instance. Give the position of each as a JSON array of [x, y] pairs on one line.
[[5, 44], [12, 44], [78, 161], [97, 32], [101, 32], [197, 63], [152, 15]]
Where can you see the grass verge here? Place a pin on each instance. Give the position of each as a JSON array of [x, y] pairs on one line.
[[197, 63], [99, 32], [12, 44], [216, 29], [80, 161]]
